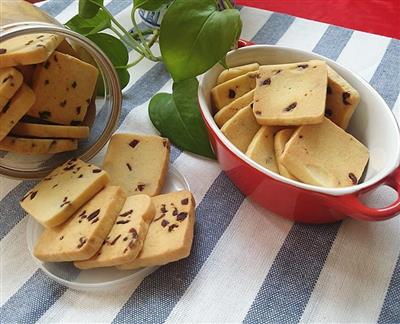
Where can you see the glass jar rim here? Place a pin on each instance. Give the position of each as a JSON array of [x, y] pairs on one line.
[[104, 64]]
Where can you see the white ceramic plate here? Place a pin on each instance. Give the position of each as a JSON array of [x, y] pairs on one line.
[[66, 274]]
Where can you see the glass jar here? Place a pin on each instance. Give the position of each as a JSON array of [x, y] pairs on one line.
[[18, 17]]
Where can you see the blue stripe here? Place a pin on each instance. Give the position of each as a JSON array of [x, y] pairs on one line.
[[55, 7], [144, 88], [390, 312], [291, 275], [287, 288], [32, 300], [333, 41], [174, 154], [116, 6], [273, 29], [386, 79], [162, 290], [10, 211]]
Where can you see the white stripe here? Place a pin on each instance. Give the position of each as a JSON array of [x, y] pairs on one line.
[[68, 12], [7, 185], [303, 34], [88, 306], [70, 306], [356, 275], [252, 19], [363, 53], [353, 282], [228, 282], [230, 279], [17, 265]]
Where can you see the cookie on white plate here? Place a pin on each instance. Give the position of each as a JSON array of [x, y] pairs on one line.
[[170, 234], [138, 163], [83, 234], [56, 197], [125, 240]]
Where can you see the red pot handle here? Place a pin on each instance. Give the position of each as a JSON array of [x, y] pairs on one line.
[[354, 208], [244, 43]]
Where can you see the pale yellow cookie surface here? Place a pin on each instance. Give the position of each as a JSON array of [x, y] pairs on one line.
[[10, 81], [291, 94], [341, 99], [170, 234], [227, 112], [55, 198], [50, 131], [28, 49], [138, 163], [15, 109], [125, 240], [31, 146], [241, 128], [280, 140], [63, 86], [236, 71], [261, 148], [325, 155], [224, 93], [83, 234]]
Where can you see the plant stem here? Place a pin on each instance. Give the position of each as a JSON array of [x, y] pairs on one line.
[[143, 31], [228, 4], [139, 32], [135, 44], [133, 63]]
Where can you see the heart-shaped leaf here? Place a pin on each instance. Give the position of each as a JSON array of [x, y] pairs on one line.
[[89, 8], [112, 47], [195, 35], [88, 26], [116, 52], [178, 117]]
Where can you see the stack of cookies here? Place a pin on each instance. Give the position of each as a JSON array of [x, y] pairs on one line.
[[115, 215], [292, 119], [45, 94]]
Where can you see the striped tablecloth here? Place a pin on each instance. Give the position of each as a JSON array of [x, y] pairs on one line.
[[246, 264]]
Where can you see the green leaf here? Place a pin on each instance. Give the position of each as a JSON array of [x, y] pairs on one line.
[[123, 76], [151, 5], [89, 8], [88, 26], [116, 52], [112, 47], [205, 36], [178, 117]]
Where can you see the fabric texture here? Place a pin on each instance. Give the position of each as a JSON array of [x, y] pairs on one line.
[[246, 265]]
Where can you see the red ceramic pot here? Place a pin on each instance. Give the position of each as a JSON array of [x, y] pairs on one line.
[[373, 124]]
